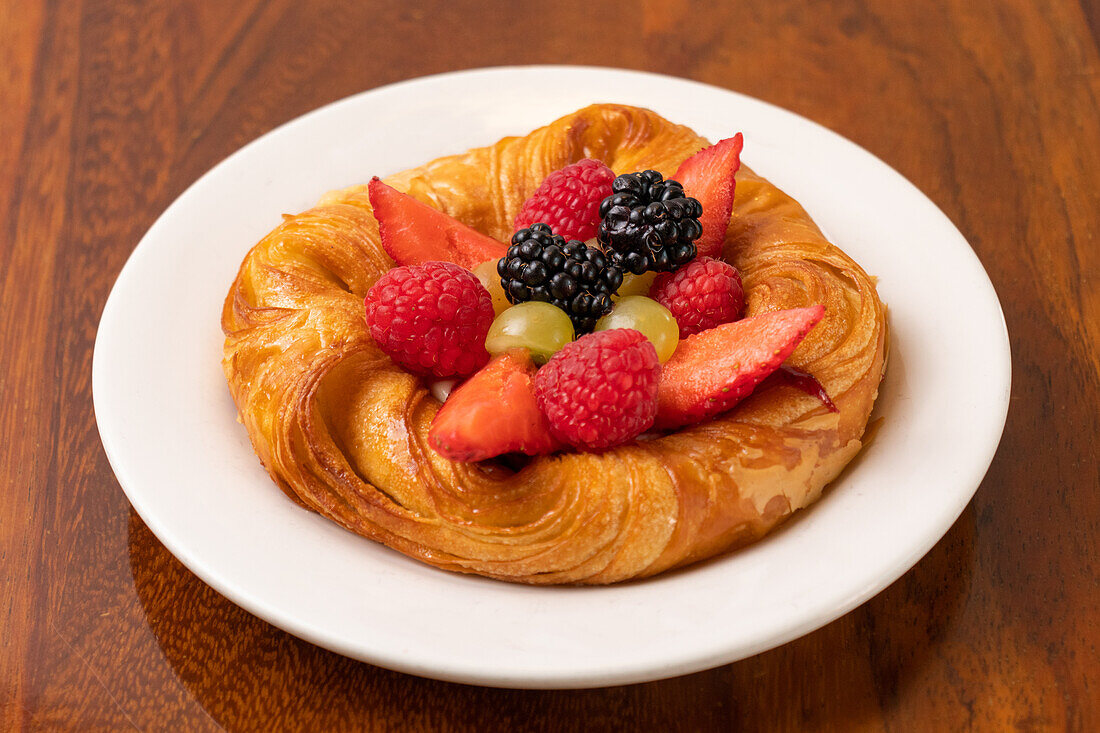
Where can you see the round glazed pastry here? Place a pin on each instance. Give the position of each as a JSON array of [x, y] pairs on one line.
[[343, 430]]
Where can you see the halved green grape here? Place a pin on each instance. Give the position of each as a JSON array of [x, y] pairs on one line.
[[539, 327], [648, 316], [487, 273], [635, 284]]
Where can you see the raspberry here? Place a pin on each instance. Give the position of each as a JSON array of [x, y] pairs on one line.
[[600, 390], [431, 318], [568, 200], [703, 294]]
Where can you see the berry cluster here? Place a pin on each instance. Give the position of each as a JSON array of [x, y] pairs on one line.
[[542, 266], [661, 355], [649, 224]]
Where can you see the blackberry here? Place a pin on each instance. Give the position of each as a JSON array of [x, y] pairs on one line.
[[541, 265], [648, 224]]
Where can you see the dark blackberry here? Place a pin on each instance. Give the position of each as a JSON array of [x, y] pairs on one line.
[[648, 224], [541, 265]]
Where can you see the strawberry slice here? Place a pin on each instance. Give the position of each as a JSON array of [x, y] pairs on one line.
[[800, 380], [708, 177], [493, 412], [714, 370], [414, 233]]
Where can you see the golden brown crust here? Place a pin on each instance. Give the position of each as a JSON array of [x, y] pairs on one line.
[[343, 431]]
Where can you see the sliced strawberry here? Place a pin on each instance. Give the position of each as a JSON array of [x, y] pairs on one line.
[[493, 412], [708, 177], [414, 233], [714, 370], [800, 380]]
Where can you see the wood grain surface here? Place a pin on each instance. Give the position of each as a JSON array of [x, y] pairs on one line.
[[110, 109]]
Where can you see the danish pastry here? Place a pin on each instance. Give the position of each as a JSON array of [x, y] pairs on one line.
[[343, 430]]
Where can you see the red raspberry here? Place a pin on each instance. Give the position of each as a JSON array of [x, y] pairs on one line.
[[600, 390], [431, 318], [568, 201], [702, 294]]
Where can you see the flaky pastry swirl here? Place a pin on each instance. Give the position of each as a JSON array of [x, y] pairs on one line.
[[343, 431]]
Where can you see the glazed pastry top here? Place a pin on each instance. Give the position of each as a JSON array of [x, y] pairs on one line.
[[343, 431]]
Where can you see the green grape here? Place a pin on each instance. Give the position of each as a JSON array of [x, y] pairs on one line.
[[540, 328], [486, 272], [648, 316], [635, 284]]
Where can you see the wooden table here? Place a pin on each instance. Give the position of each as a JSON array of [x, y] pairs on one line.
[[111, 109]]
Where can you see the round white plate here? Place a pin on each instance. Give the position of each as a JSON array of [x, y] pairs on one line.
[[170, 431]]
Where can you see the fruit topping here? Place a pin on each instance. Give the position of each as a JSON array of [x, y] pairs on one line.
[[801, 380], [431, 318], [414, 233], [714, 370], [708, 177], [542, 266], [635, 284], [493, 412], [600, 390], [540, 328], [568, 200], [487, 275], [703, 294], [648, 316], [525, 303], [648, 223]]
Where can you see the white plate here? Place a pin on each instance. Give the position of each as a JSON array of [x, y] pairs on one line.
[[169, 429]]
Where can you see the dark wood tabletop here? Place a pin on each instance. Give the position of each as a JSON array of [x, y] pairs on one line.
[[109, 110]]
